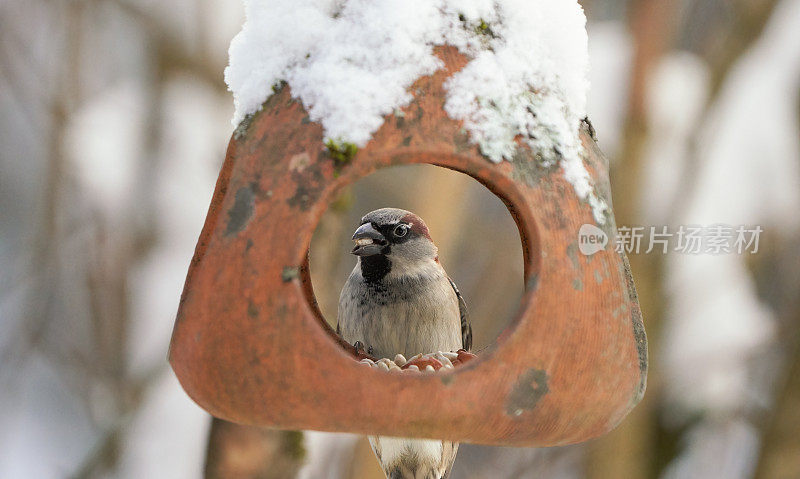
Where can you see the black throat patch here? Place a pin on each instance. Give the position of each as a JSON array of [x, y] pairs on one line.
[[375, 268]]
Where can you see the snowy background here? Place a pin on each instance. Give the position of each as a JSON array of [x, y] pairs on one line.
[[114, 119]]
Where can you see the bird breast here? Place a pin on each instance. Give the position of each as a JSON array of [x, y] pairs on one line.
[[406, 315]]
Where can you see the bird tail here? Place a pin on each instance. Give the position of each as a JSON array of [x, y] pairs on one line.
[[414, 458]]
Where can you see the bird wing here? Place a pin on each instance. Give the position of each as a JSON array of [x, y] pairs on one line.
[[466, 328]]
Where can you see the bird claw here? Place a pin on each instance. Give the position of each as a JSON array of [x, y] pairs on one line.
[[464, 355], [358, 346], [360, 351]]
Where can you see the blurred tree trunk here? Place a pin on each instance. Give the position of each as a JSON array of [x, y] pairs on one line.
[[780, 440], [780, 448], [629, 450], [638, 448], [364, 464], [742, 25], [239, 452]]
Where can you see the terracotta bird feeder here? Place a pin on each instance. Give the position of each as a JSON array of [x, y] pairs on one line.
[[250, 345]]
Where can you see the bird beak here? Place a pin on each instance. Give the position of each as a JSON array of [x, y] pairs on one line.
[[369, 241]]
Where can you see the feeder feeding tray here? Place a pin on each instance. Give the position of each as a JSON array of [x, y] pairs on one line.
[[250, 345]]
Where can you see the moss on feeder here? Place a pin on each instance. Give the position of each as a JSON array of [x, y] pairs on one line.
[[342, 153], [293, 445], [482, 28], [241, 129]]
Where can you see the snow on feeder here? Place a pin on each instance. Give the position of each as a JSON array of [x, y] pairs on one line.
[[250, 344]]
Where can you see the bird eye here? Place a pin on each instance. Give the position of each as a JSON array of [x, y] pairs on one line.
[[401, 230]]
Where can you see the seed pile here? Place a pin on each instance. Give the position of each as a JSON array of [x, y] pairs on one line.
[[430, 362]]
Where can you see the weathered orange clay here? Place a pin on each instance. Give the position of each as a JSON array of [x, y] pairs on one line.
[[250, 346]]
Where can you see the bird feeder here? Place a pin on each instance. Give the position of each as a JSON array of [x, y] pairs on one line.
[[251, 346]]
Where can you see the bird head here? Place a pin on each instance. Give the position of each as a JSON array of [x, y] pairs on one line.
[[397, 235]]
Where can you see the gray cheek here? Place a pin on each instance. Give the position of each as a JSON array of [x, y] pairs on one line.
[[414, 249]]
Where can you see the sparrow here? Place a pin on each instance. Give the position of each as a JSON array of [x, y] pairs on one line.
[[400, 300]]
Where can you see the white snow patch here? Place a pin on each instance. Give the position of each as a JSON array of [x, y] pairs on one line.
[[104, 143], [349, 62], [352, 62], [717, 449], [46, 432], [167, 437], [716, 324], [676, 96]]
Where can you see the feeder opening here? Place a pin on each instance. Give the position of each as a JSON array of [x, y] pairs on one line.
[[477, 239]]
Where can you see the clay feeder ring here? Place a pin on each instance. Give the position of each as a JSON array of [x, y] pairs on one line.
[[250, 345]]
